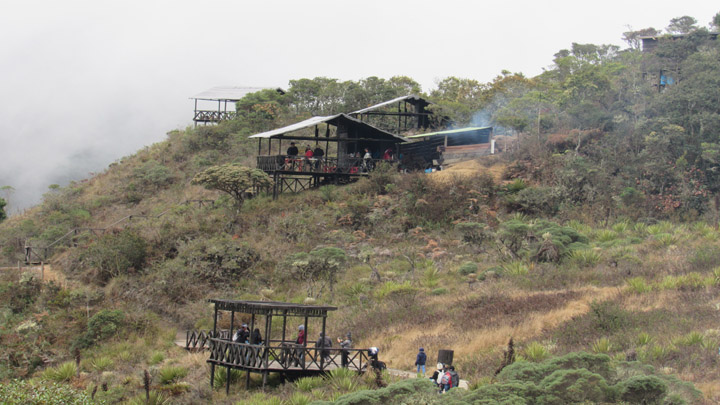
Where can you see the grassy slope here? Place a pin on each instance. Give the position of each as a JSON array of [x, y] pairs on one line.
[[558, 305]]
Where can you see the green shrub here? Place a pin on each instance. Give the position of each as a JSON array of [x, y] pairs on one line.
[[156, 358], [468, 268], [439, 291], [643, 339], [29, 392], [221, 377], [171, 374], [101, 326], [61, 373], [308, 384], [474, 232], [536, 352], [155, 398], [644, 389], [602, 346], [608, 316], [114, 254], [536, 200], [693, 338], [705, 257], [391, 288], [101, 363], [638, 285], [515, 269], [217, 259], [153, 175], [298, 398], [584, 257], [573, 386]]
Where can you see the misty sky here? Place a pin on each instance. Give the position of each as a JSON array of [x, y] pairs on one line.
[[84, 83]]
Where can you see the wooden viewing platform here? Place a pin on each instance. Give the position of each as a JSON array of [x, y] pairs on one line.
[[284, 355]]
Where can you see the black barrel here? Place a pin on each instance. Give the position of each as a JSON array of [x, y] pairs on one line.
[[445, 356]]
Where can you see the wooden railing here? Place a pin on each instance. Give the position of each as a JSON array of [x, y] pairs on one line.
[[301, 164], [200, 339], [213, 116], [285, 357]]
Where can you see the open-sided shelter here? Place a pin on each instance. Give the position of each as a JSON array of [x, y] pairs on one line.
[[279, 351], [343, 140]]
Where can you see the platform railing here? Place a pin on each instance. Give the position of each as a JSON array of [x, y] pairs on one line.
[[301, 164], [285, 356]]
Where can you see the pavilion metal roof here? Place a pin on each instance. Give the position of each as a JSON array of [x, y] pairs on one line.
[[411, 99], [331, 119], [272, 308], [227, 93], [449, 132]]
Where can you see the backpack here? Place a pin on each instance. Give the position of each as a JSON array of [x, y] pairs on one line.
[[455, 378], [446, 378]]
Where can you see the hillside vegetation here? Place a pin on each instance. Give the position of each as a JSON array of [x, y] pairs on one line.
[[593, 243]]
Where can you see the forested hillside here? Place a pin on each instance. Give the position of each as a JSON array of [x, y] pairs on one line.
[[592, 242]]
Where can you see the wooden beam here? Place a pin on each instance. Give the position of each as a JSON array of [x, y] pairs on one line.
[[312, 138]]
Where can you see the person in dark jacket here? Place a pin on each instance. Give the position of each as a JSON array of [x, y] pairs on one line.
[[323, 343], [454, 378], [242, 335], [420, 360], [256, 337], [292, 150]]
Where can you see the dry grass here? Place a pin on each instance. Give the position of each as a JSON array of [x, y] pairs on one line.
[[471, 168], [400, 344]]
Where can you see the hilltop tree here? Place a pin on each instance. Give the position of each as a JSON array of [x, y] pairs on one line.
[[682, 25], [233, 179], [3, 215]]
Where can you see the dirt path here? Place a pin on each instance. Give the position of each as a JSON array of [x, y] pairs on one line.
[[44, 272]]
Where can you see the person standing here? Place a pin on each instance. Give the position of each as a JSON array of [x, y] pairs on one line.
[[345, 345], [300, 346], [323, 343], [420, 360]]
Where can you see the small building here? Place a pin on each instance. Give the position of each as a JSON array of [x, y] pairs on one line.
[[344, 142], [444, 147], [205, 111], [279, 352], [666, 75]]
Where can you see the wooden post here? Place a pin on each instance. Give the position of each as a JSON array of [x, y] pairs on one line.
[[323, 337], [42, 272], [268, 324], [212, 365], [284, 325], [269, 146], [259, 146]]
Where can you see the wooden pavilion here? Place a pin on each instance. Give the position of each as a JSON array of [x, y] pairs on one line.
[[343, 140], [278, 354], [223, 96]]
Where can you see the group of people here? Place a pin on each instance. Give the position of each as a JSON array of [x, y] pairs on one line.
[[243, 335], [324, 343], [317, 154], [445, 377]]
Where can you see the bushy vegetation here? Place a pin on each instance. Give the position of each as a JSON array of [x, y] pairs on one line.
[[594, 231]]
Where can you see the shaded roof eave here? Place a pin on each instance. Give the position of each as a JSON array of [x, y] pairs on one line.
[[409, 98], [272, 307], [449, 132], [310, 122]]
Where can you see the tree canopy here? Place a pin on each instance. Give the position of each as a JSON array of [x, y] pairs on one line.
[[233, 179]]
